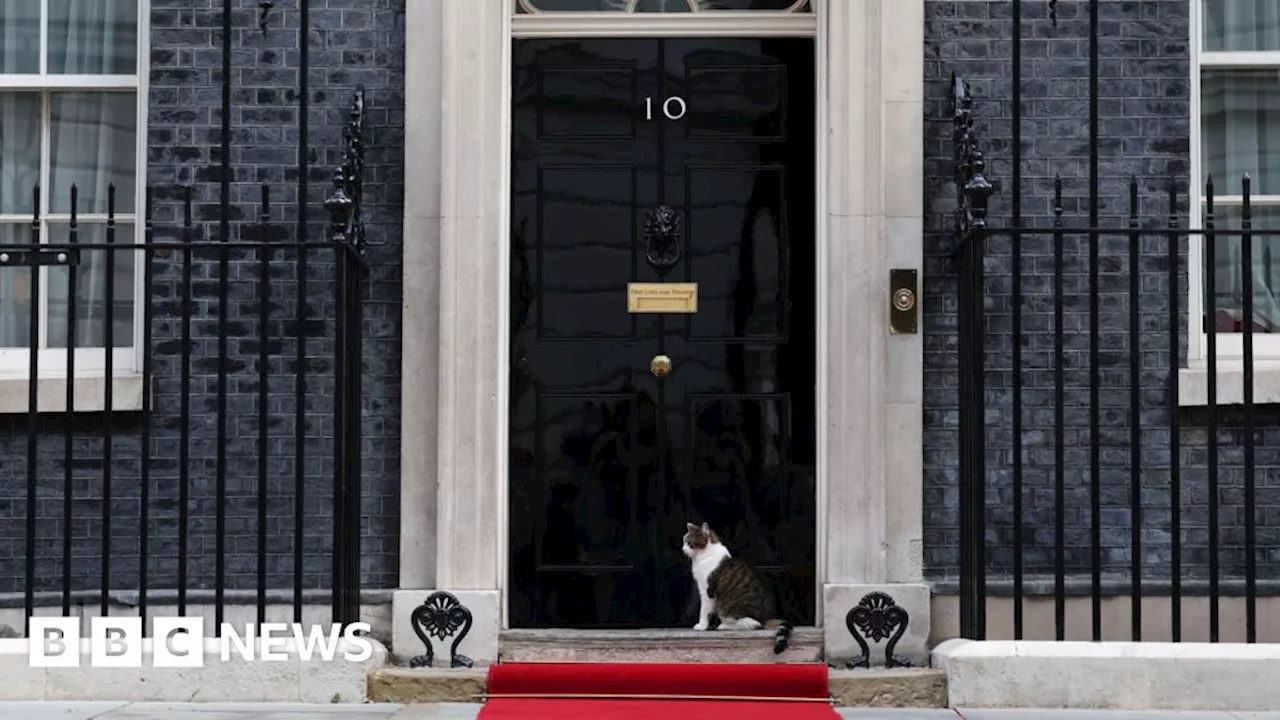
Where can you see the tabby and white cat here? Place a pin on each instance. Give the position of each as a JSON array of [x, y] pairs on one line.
[[730, 590]]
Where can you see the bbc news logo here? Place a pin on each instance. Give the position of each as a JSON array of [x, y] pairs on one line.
[[180, 642]]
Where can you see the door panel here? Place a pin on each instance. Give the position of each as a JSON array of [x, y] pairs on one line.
[[590, 231], [734, 223], [607, 461], [736, 102], [587, 103], [581, 464], [740, 406]]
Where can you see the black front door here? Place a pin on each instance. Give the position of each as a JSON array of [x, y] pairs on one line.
[[608, 460]]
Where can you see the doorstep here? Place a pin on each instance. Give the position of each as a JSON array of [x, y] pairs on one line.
[[670, 646]]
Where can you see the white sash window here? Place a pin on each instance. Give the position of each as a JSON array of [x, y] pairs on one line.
[[69, 116]]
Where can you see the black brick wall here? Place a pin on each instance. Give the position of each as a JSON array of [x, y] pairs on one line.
[[1144, 132], [353, 42]]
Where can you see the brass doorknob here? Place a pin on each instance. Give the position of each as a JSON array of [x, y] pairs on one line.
[[660, 366]]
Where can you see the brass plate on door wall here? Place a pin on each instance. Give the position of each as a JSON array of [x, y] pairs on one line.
[[662, 298], [903, 289]]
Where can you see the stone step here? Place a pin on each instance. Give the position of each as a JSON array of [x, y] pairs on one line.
[[427, 685], [674, 646], [881, 688], [909, 688]]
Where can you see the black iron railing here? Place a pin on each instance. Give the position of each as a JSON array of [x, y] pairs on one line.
[[213, 457], [348, 232], [1132, 491], [973, 191], [1081, 472], [227, 331]]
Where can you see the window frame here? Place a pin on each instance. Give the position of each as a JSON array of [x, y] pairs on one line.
[[89, 361], [529, 7], [1230, 346]]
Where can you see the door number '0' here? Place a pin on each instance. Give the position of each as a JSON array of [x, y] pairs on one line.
[[674, 108]]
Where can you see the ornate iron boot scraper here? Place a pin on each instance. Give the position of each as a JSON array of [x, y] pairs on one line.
[[877, 617], [441, 616]]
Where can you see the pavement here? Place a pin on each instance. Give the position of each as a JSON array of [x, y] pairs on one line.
[[469, 711]]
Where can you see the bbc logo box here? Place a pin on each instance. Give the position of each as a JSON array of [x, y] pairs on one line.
[[180, 642], [116, 642]]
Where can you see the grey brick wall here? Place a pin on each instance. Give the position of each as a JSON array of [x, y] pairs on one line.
[[1144, 133], [353, 42]]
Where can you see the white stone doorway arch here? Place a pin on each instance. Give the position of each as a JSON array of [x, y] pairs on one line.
[[454, 387]]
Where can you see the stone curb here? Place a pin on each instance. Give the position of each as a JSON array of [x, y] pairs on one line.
[[1230, 677], [909, 688], [235, 680]]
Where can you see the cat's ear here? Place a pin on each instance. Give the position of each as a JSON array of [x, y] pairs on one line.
[[690, 526], [706, 529]]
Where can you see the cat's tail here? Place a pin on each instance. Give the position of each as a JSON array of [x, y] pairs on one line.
[[781, 638]]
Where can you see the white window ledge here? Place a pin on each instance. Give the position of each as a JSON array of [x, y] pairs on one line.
[[51, 394], [1193, 383]]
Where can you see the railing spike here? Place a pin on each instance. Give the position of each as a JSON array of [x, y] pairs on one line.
[[264, 7]]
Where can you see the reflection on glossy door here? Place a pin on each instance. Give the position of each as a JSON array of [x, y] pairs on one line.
[[609, 455]]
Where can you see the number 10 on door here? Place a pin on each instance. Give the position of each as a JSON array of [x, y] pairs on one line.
[[673, 108]]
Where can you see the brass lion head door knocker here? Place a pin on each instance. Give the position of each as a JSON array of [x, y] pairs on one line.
[[662, 239]]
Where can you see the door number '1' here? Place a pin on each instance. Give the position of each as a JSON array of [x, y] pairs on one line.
[[667, 108]]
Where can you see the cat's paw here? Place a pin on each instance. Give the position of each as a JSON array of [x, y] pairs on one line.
[[700, 626]]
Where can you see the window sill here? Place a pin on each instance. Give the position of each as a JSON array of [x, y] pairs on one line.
[[51, 394], [1193, 383]]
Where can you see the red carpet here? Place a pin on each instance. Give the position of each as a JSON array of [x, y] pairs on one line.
[[647, 691]]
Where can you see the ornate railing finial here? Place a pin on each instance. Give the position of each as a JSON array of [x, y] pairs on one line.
[[1053, 12], [973, 190], [344, 201], [264, 7]]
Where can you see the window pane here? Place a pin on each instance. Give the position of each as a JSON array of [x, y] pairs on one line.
[[19, 150], [1240, 110], [91, 289], [15, 291], [571, 5], [662, 6], [93, 37], [93, 145], [1229, 266], [1241, 25], [20, 36], [752, 5]]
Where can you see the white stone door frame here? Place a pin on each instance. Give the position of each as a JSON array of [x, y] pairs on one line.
[[456, 254], [711, 25]]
